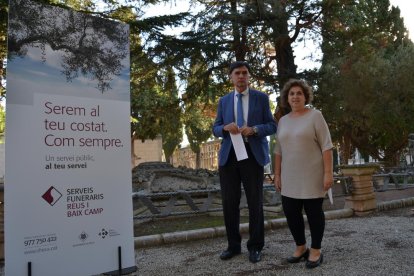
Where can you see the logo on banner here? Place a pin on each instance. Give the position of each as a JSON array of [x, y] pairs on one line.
[[52, 195], [111, 233], [83, 236], [103, 233]]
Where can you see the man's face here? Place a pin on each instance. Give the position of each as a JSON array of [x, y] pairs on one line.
[[240, 78]]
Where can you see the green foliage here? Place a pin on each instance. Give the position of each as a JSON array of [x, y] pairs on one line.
[[155, 105], [365, 88], [198, 118], [171, 126], [197, 128], [3, 42]]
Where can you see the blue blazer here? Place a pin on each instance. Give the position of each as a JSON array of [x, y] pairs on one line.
[[259, 115]]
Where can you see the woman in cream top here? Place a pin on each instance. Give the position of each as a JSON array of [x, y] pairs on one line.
[[303, 169], [304, 138]]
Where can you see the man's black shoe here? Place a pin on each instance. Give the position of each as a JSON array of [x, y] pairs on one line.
[[255, 256], [228, 254]]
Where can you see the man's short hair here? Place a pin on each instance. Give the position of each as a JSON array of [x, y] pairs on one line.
[[238, 64]]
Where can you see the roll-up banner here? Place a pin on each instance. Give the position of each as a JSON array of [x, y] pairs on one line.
[[68, 205]]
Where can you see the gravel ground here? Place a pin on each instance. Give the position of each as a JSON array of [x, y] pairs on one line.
[[379, 244]]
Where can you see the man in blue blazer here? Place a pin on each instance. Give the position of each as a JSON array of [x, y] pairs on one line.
[[256, 124]]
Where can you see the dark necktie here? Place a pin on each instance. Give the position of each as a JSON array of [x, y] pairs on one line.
[[240, 120]]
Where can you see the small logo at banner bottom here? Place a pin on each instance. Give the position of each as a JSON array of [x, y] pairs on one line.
[[103, 233], [83, 236], [52, 196], [108, 233]]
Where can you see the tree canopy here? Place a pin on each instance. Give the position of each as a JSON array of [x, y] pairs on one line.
[[364, 88]]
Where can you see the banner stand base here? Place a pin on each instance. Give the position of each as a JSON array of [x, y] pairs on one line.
[[121, 271], [124, 271]]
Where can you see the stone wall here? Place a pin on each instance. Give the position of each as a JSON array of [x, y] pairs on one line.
[[154, 177]]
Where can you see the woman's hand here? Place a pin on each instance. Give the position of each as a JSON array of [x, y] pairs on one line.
[[328, 169], [277, 182], [277, 171], [327, 180]]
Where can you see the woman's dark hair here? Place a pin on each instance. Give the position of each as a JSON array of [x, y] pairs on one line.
[[307, 91]]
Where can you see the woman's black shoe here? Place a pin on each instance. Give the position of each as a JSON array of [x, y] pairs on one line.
[[294, 259], [310, 264]]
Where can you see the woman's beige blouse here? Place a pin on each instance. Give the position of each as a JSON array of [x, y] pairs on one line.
[[300, 142]]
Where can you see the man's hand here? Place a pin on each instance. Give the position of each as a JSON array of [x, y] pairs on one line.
[[232, 128], [246, 131]]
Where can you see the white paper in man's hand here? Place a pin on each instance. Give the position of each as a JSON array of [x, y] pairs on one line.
[[330, 195], [239, 147]]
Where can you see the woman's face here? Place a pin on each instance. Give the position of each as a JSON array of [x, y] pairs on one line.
[[296, 98]]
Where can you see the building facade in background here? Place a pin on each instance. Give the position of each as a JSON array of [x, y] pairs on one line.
[[209, 156], [146, 151]]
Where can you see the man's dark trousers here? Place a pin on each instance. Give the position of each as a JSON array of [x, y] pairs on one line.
[[251, 175]]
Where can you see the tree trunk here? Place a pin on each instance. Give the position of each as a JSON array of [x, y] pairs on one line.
[[345, 149], [239, 37], [286, 67], [198, 160], [285, 60], [168, 159]]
